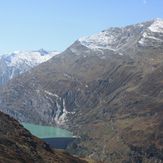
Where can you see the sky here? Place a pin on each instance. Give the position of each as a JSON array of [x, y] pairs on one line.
[[56, 24]]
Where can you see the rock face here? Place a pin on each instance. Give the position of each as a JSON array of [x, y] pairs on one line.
[[106, 88], [16, 63], [17, 145]]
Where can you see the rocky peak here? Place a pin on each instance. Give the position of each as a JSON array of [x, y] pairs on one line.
[[156, 26], [119, 38], [153, 34]]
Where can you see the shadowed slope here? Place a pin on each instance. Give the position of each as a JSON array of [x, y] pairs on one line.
[[17, 145]]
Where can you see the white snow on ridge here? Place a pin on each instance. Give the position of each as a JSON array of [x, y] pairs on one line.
[[146, 37], [150, 34], [19, 62], [100, 40], [113, 39], [32, 58], [51, 94], [157, 26]]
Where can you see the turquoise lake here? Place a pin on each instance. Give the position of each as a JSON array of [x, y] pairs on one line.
[[47, 131]]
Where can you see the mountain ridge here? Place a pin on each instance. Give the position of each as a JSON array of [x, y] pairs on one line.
[[111, 99], [107, 39], [18, 62]]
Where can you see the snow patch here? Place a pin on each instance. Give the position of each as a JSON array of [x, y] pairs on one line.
[[152, 33], [61, 113], [62, 118], [100, 40], [30, 58], [67, 76], [157, 26], [51, 94], [147, 37]]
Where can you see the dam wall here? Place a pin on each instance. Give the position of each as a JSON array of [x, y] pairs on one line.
[[59, 142]]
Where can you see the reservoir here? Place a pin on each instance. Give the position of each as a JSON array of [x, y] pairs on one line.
[[56, 137], [47, 131]]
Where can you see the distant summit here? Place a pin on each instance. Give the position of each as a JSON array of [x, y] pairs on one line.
[[19, 62], [42, 51]]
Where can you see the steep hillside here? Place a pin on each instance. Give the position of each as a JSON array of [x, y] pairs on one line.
[[106, 88], [17, 145]]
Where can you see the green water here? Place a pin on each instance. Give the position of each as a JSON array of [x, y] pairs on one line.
[[46, 131]]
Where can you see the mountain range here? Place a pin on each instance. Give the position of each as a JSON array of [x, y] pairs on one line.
[[18, 62], [106, 88]]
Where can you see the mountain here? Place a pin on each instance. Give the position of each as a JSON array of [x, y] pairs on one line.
[[16, 63], [106, 88], [120, 39], [17, 145]]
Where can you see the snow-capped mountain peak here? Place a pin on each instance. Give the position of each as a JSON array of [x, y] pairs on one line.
[[28, 57], [19, 62], [99, 40], [118, 38], [153, 34], [33, 58], [157, 26]]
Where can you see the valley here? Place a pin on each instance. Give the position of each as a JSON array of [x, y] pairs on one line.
[[105, 88], [56, 138], [18, 145]]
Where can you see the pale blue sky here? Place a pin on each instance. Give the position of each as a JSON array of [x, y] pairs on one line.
[[56, 24]]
